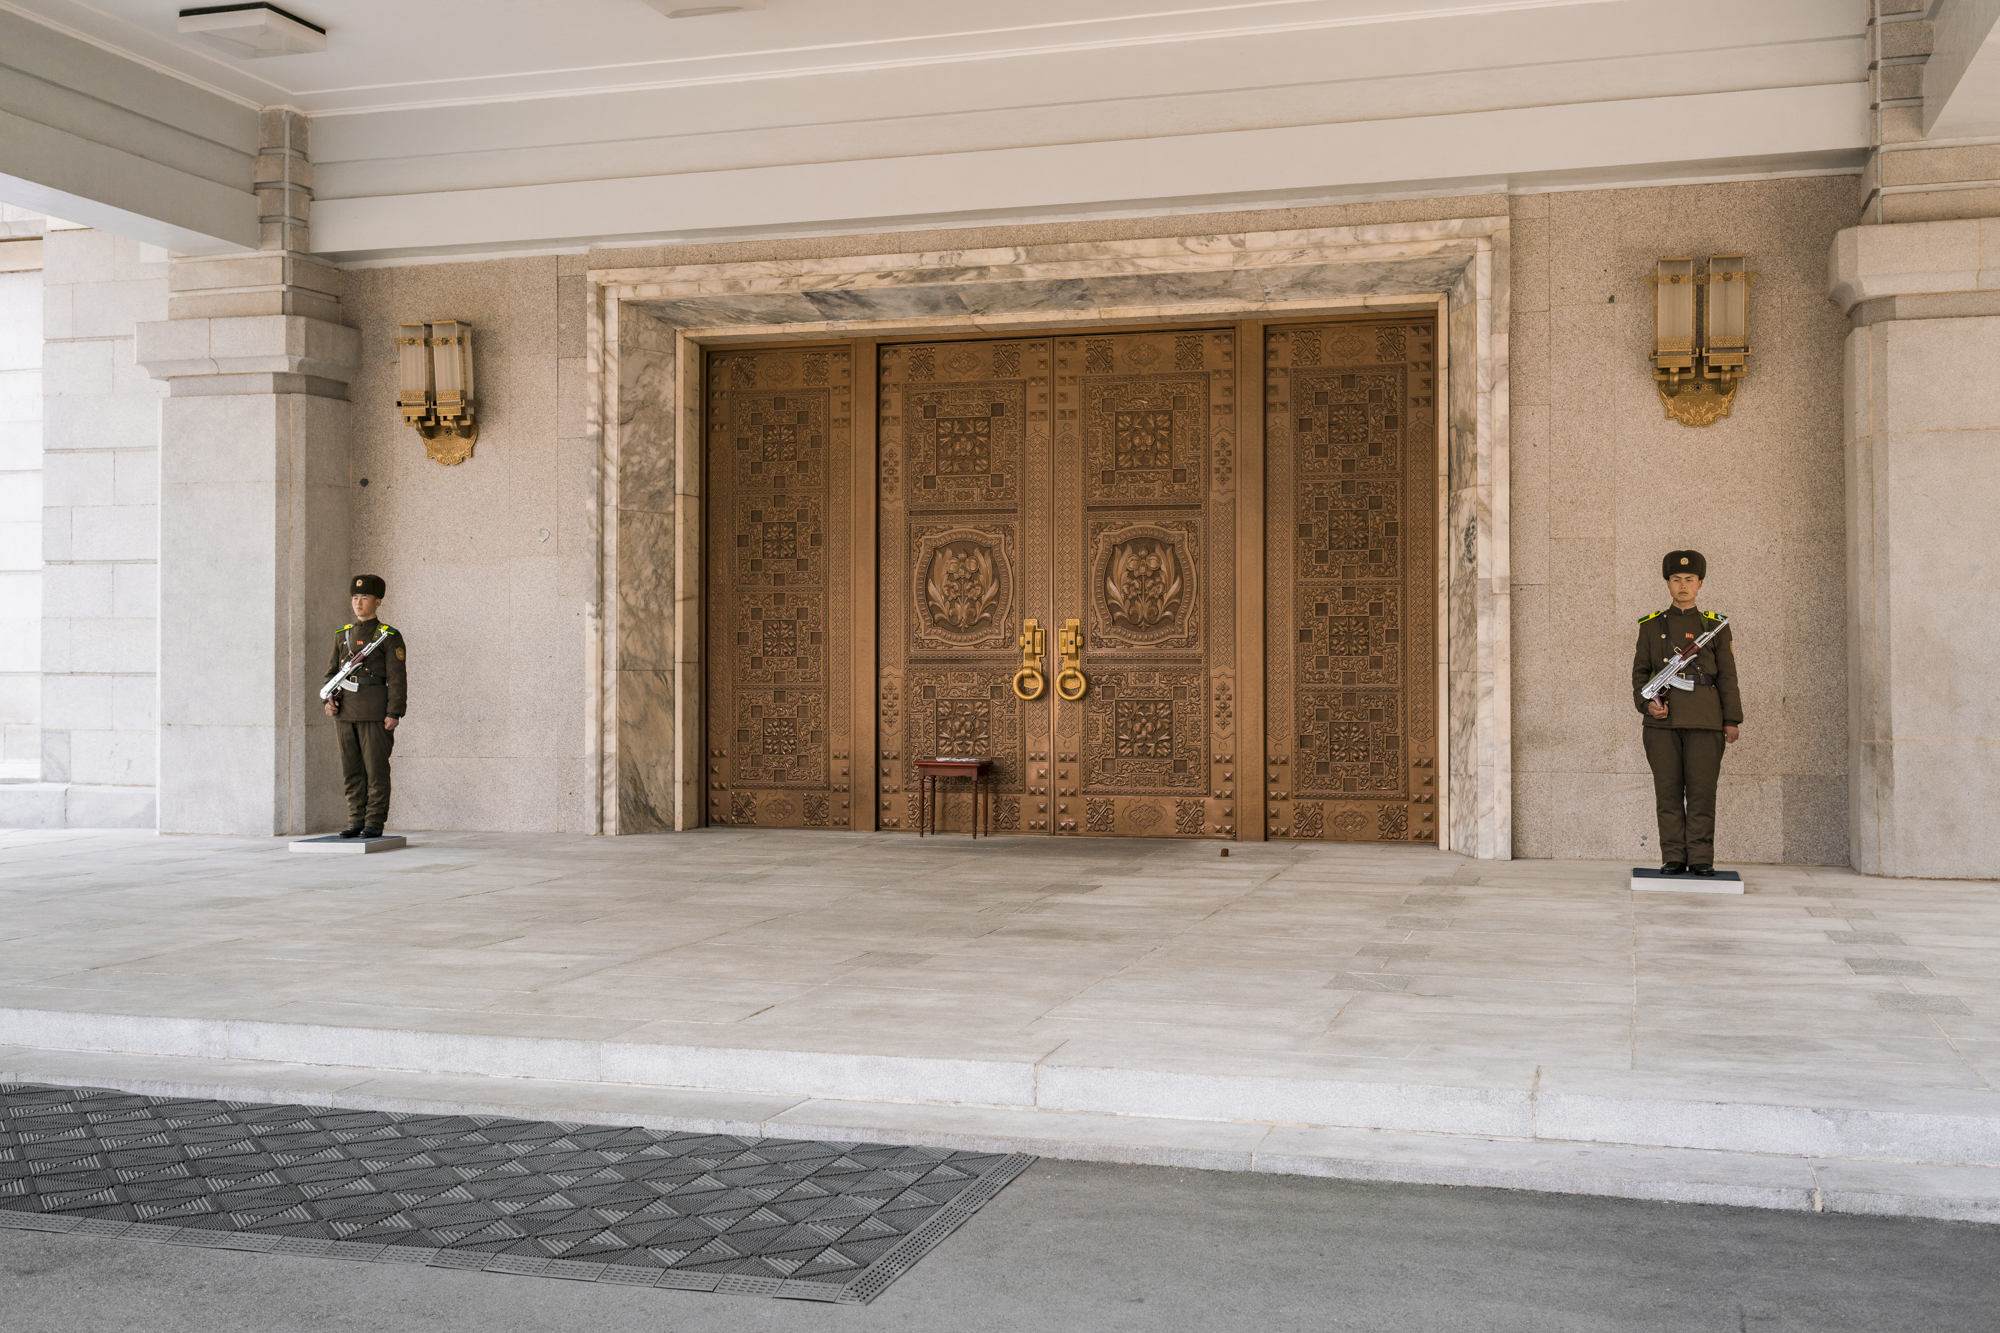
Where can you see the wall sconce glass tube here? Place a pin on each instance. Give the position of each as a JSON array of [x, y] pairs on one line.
[[1673, 321], [1725, 350], [416, 394], [451, 361]]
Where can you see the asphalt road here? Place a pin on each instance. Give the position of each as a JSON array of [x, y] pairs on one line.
[[1084, 1248]]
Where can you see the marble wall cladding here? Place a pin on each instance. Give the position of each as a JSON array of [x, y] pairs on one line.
[[1602, 484], [1461, 552], [491, 563], [641, 536]]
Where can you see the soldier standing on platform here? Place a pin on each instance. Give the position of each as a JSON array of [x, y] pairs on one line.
[[366, 718], [1686, 730]]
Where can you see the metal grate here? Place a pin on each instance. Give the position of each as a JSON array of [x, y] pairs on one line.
[[694, 1212]]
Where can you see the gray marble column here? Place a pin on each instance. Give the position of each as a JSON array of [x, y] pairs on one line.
[[253, 519]]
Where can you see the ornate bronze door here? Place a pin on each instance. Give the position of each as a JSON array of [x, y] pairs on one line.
[[1056, 480], [964, 479], [1183, 572], [1145, 558], [781, 633], [1351, 606]]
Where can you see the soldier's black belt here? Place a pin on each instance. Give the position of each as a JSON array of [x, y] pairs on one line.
[[369, 680]]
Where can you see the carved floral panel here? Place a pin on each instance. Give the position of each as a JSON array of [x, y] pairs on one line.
[[1143, 584], [963, 596]]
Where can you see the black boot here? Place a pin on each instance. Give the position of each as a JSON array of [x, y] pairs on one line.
[[354, 832], [371, 832], [1707, 870], [1674, 868]]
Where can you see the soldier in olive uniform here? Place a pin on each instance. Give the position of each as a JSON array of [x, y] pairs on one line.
[[1686, 730], [367, 718]]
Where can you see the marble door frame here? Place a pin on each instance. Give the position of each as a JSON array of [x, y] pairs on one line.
[[648, 325]]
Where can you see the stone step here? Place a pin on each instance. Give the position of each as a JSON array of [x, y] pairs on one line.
[[1941, 1125], [1685, 1175], [47, 805]]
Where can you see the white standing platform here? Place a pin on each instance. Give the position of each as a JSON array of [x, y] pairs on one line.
[[334, 844], [1652, 881]]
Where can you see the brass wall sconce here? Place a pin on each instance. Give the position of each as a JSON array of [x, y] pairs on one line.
[[1699, 362], [435, 368]]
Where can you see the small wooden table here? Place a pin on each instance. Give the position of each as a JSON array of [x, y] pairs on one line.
[[929, 771]]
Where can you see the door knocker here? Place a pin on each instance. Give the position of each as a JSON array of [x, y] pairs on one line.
[[1070, 684], [1029, 682]]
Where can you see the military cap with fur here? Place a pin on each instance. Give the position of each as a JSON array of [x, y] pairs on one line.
[[1684, 562], [368, 585]]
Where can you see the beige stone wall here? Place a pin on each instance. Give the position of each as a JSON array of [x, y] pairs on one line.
[[1604, 484], [488, 563]]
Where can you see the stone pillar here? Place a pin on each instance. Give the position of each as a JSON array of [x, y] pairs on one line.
[[1923, 468], [253, 518], [1920, 282]]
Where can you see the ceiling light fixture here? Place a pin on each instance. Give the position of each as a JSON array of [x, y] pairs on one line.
[[674, 10], [251, 31]]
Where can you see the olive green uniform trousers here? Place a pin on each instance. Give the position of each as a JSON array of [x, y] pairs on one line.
[[364, 761], [1687, 764]]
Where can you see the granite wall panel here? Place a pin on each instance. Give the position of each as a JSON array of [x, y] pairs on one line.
[[1610, 484], [480, 558]]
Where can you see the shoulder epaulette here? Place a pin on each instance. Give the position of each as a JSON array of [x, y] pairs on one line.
[[388, 629], [345, 628], [1711, 615], [1655, 616]]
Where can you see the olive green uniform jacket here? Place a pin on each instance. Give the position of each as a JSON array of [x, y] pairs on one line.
[[384, 684], [1714, 702]]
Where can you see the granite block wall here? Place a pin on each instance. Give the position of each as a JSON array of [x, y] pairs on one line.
[[1604, 484], [100, 527], [21, 518]]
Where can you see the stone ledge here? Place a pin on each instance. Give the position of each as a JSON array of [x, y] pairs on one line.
[[1791, 1182], [172, 349], [76, 805], [1908, 258], [1935, 1125]]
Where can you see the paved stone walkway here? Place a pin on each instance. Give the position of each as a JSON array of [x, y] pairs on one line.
[[1397, 957], [1364, 987]]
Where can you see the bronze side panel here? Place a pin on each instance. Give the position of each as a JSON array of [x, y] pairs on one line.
[[1351, 581], [1144, 556], [779, 668], [963, 431]]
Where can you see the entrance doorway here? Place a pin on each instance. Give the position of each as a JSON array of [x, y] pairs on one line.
[[1049, 550]]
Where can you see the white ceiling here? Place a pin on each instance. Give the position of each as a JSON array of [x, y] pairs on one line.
[[384, 54], [450, 125]]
